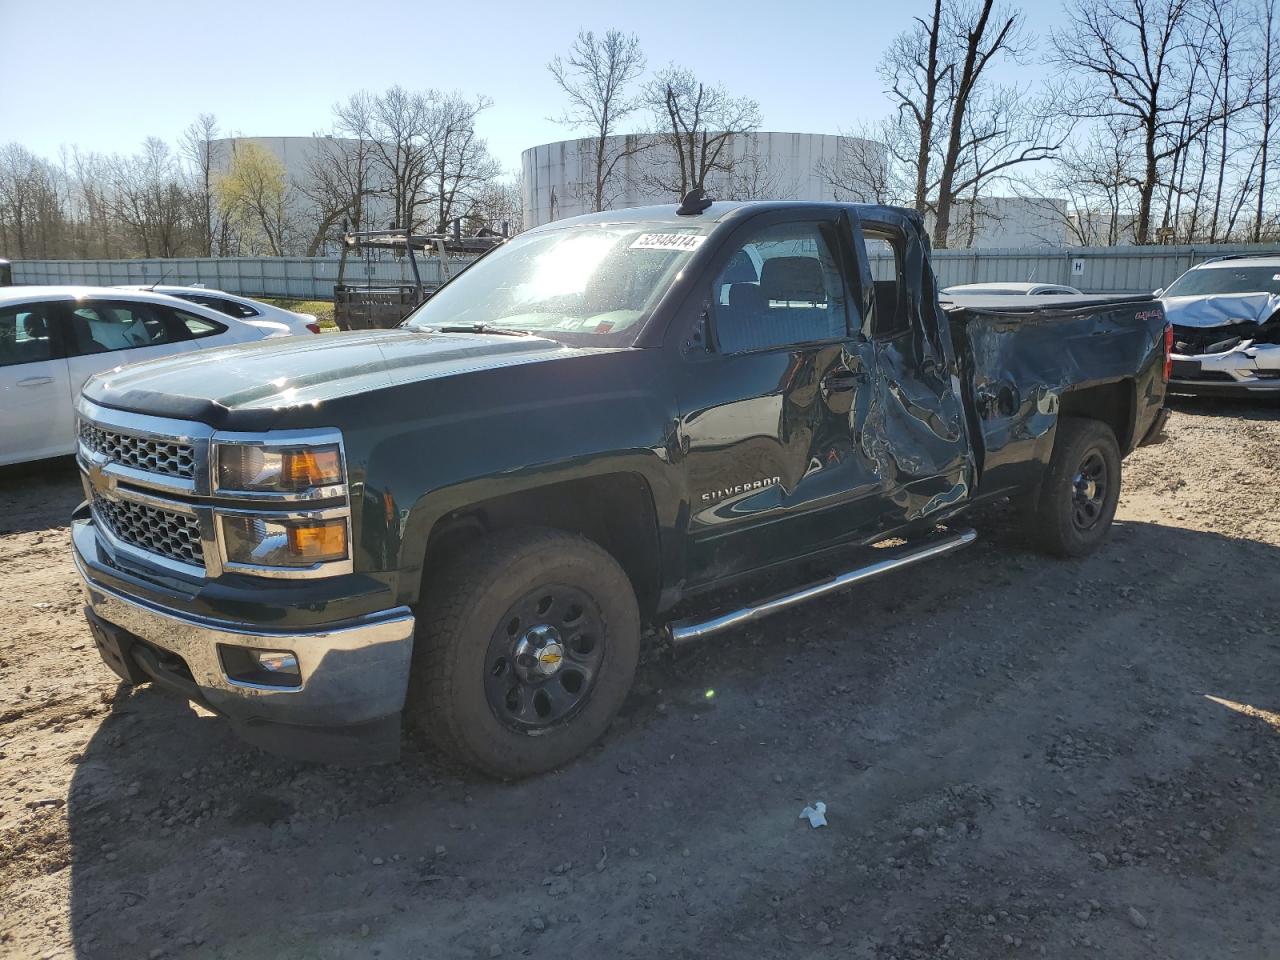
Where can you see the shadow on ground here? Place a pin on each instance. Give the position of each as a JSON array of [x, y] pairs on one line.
[[997, 737], [38, 496]]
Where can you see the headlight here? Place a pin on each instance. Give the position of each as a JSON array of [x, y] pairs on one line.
[[263, 541], [258, 468], [281, 504]]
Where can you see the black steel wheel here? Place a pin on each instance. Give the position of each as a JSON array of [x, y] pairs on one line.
[[526, 646], [1089, 491], [544, 657], [1076, 503]]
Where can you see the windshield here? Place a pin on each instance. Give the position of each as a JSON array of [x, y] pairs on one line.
[[589, 284], [1196, 283]]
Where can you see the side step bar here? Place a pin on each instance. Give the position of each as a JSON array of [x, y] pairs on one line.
[[686, 631]]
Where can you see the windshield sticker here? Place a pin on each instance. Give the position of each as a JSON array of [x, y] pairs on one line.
[[680, 242]]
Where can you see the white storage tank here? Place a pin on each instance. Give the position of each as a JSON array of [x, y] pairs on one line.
[[558, 179]]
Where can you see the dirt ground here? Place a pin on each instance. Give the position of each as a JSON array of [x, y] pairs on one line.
[[1019, 757]]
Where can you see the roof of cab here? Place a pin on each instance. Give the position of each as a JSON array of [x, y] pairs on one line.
[[718, 212]]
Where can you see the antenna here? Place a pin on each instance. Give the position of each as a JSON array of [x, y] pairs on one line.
[[163, 277], [694, 202]]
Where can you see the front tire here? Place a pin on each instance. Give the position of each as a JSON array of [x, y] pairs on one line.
[[526, 647], [1081, 488]]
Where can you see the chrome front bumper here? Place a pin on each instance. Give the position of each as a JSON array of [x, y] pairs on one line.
[[354, 675]]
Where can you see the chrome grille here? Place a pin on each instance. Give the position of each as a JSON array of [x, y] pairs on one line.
[[172, 535], [167, 457]]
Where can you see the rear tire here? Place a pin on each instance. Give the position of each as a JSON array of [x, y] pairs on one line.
[[1076, 503], [525, 649]]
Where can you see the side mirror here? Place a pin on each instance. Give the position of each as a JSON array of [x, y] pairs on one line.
[[1158, 293], [699, 339]]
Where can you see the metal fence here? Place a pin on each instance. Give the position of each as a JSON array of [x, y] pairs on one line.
[[1092, 269], [302, 278]]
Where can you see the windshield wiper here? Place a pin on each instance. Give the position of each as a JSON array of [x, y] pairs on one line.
[[482, 328]]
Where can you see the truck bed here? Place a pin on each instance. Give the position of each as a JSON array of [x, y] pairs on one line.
[[1026, 361]]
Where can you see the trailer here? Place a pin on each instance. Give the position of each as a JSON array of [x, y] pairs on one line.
[[380, 305]]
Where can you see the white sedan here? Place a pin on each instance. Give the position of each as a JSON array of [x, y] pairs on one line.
[[52, 339], [242, 308]]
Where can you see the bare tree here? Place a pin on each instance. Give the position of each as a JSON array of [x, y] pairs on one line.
[[869, 164], [1096, 178], [31, 215], [148, 196], [596, 76], [1270, 67], [1125, 54], [90, 198], [498, 206], [394, 124], [954, 131], [696, 125], [914, 71], [984, 38], [753, 177], [457, 159], [339, 182], [199, 147]]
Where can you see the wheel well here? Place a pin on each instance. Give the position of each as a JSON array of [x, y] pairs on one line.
[[1110, 403], [615, 511]]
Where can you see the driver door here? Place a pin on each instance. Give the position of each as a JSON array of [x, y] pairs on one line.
[[769, 416]]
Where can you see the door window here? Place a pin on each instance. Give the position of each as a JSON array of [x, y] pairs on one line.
[[106, 327], [231, 308], [198, 326], [782, 287], [885, 255], [25, 336]]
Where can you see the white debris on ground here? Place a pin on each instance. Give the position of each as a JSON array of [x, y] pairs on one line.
[[817, 815]]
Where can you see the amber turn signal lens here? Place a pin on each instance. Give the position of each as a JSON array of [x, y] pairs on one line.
[[311, 468], [319, 540]]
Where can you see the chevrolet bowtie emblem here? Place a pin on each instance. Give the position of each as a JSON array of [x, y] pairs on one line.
[[99, 479]]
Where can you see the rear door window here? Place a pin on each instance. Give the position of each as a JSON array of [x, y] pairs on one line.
[[25, 335], [104, 327], [885, 256]]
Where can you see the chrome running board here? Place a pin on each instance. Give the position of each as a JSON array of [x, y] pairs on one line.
[[686, 631]]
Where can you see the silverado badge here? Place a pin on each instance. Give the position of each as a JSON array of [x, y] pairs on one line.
[[714, 495]]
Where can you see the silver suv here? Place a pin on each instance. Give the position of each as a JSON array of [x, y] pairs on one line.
[[1226, 327]]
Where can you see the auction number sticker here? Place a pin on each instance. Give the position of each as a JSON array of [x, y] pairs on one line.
[[680, 242]]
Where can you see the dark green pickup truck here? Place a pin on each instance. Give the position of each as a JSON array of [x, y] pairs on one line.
[[472, 522]]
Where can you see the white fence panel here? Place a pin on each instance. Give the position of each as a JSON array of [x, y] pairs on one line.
[[300, 278], [1092, 269]]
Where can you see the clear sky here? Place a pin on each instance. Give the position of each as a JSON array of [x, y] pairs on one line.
[[104, 74]]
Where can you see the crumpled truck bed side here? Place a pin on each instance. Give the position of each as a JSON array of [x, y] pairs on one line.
[[1024, 367]]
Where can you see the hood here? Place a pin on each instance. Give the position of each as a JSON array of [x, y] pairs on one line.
[[292, 373], [1221, 309]]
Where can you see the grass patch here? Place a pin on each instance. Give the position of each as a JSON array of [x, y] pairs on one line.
[[321, 309]]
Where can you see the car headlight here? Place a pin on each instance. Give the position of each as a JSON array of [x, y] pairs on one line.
[[260, 540], [281, 503], [259, 468]]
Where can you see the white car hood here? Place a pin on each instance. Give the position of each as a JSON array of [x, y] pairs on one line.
[[1220, 309]]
